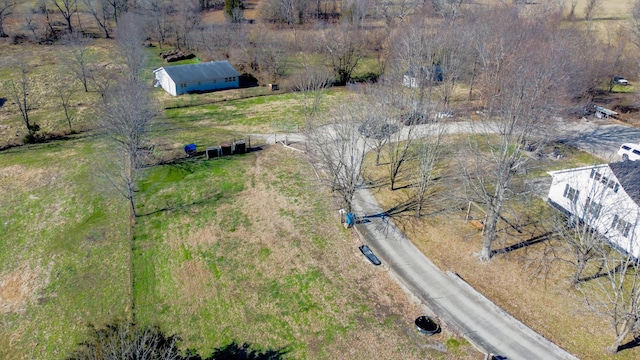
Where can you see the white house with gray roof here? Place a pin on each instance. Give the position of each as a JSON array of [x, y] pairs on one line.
[[605, 197], [206, 76]]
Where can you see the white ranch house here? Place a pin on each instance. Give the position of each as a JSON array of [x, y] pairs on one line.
[[206, 76], [605, 197]]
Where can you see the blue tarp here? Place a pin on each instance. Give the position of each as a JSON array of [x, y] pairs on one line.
[[190, 149], [350, 219]]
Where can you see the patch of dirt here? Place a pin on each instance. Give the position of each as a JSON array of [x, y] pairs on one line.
[[19, 287], [196, 281], [22, 177]]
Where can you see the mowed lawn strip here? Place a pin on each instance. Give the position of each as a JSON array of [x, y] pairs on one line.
[[261, 258], [63, 249]]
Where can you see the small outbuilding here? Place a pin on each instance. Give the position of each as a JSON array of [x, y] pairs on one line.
[[206, 76], [418, 76]]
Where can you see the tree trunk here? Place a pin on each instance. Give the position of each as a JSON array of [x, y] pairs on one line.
[[626, 328]]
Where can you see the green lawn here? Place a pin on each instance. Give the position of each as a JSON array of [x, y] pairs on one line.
[[66, 236]]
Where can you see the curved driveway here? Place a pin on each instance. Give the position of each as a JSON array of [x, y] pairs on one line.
[[453, 301]]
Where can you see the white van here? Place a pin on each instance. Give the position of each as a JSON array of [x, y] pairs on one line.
[[629, 152]]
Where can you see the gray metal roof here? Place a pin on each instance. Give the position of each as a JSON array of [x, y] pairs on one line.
[[191, 73], [628, 174]]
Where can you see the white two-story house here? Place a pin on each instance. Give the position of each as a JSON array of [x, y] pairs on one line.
[[605, 197]]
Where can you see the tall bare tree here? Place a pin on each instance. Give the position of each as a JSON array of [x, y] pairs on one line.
[[344, 48], [67, 8], [616, 294], [130, 39], [20, 92], [312, 83], [101, 12], [185, 20], [335, 141], [77, 57], [126, 118], [427, 172], [157, 19], [63, 91], [591, 7], [5, 11], [522, 70]]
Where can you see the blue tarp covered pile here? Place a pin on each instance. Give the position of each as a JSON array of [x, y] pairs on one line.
[[190, 149]]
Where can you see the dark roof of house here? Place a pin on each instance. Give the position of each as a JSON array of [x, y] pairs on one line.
[[628, 174], [201, 72]]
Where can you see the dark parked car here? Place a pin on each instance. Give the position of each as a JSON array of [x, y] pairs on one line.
[[370, 255]]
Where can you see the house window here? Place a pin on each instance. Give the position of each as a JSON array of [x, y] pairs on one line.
[[622, 226], [571, 193], [593, 208], [613, 186], [595, 175]]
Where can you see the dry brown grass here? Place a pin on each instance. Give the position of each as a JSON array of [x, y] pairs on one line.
[[529, 283], [20, 286]]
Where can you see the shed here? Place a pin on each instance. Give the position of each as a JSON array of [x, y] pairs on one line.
[[239, 147], [416, 77], [604, 112], [207, 76]]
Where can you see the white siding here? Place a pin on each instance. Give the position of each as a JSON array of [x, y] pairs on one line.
[[598, 201], [165, 81]]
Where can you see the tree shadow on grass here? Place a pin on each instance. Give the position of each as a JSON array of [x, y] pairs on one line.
[[630, 345], [522, 244], [235, 351]]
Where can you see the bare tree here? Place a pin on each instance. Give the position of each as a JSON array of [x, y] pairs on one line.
[[521, 70], [5, 11], [126, 117], [130, 40], [67, 8], [117, 7], [615, 49], [101, 78], [63, 91], [268, 54], [616, 294], [344, 49], [122, 340], [77, 57], [427, 172], [101, 12], [591, 8], [289, 12], [340, 149], [185, 20], [312, 83], [31, 25], [20, 92], [158, 20]]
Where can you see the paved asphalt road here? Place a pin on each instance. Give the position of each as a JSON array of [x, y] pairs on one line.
[[452, 300]]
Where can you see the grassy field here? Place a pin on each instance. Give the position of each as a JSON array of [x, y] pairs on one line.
[[251, 251], [63, 247], [246, 248]]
